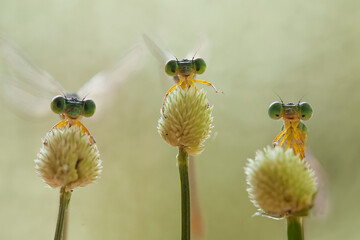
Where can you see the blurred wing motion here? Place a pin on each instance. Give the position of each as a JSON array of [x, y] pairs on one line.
[[26, 87], [158, 52], [184, 72], [101, 88], [30, 89], [322, 200], [201, 49], [161, 56]]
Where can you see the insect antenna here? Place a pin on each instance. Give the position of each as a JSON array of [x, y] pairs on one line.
[[85, 96], [300, 99], [195, 54], [282, 102]]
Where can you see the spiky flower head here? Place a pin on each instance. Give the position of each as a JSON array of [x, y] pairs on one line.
[[187, 120], [67, 159], [280, 184]]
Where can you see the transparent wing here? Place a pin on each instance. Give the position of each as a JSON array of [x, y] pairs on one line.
[[322, 200], [158, 52], [201, 49], [24, 86], [102, 87], [162, 56]]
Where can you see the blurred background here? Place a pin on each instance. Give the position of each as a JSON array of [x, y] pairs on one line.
[[294, 48]]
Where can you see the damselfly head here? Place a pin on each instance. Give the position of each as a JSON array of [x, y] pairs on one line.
[[290, 111], [185, 67], [73, 107]]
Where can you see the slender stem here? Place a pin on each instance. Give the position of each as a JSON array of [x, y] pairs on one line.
[[66, 224], [294, 228], [197, 228], [183, 164], [64, 203]]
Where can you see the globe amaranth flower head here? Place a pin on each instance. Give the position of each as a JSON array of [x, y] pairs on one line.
[[280, 184], [67, 159], [186, 120]]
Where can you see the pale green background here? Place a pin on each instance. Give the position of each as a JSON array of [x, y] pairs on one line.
[[294, 48]]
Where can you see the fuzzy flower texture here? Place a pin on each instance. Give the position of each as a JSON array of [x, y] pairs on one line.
[[280, 185], [67, 159], [187, 120]]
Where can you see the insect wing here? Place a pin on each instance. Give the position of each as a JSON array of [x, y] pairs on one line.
[[24, 86], [201, 49], [101, 88], [158, 52], [162, 56], [322, 200]]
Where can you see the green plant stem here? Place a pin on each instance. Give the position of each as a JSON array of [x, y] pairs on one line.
[[64, 203], [66, 224], [294, 228], [183, 165]]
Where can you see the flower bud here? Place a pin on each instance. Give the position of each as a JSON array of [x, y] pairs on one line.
[[280, 184], [67, 159], [186, 121]]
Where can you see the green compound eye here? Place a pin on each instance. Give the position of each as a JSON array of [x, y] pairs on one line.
[[171, 67], [58, 104], [275, 109], [200, 65], [89, 108], [305, 111]]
